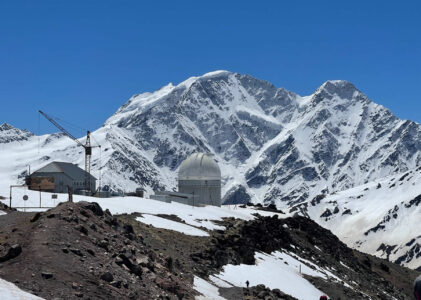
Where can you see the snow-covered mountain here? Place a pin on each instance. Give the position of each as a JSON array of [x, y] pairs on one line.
[[380, 218], [272, 144], [335, 155], [9, 134]]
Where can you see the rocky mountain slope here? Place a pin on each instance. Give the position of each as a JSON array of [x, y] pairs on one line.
[[80, 251], [272, 144], [380, 217]]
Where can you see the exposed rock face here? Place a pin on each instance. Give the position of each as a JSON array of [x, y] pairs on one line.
[[237, 195], [283, 146], [278, 146], [9, 134], [301, 236], [9, 252]]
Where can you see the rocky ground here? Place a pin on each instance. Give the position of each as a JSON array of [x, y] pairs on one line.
[[370, 276], [79, 251], [5, 208]]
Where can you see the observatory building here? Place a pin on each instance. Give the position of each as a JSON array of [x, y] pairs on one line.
[[199, 182], [200, 176]]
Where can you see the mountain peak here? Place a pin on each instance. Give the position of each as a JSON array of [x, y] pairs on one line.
[[5, 126], [8, 133], [189, 81], [334, 85], [337, 82], [216, 73], [341, 88]]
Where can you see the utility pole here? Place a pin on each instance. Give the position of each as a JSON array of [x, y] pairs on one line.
[[40, 196], [70, 192]]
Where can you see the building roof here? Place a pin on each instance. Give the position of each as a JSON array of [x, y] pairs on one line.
[[199, 166], [71, 170]]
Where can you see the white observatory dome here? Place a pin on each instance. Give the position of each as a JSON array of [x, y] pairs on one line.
[[199, 166]]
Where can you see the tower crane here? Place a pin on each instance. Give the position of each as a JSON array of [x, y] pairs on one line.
[[87, 146]]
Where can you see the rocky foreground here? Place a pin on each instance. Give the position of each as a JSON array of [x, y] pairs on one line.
[[79, 251]]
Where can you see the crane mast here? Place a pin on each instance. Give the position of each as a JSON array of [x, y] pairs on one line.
[[87, 147]]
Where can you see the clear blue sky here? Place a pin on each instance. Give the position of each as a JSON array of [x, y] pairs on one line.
[[81, 60]]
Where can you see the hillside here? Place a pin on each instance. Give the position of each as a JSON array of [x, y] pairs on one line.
[[380, 217], [213, 251]]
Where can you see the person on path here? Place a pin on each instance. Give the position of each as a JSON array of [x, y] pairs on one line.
[[247, 283], [417, 288]]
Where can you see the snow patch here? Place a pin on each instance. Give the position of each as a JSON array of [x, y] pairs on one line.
[[196, 216], [276, 271], [9, 291], [208, 290], [171, 225]]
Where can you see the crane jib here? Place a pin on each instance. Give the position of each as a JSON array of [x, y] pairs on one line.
[[87, 146]]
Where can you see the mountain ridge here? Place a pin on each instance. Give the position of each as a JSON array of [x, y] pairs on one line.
[[274, 145]]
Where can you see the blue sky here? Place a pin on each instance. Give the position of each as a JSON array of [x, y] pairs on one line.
[[81, 60]]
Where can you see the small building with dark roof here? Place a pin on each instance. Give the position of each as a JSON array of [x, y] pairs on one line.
[[57, 176]]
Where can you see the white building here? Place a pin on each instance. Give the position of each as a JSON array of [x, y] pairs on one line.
[[199, 182], [199, 175]]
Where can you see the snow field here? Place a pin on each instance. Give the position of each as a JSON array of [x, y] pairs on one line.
[[385, 202], [278, 270], [194, 216]]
